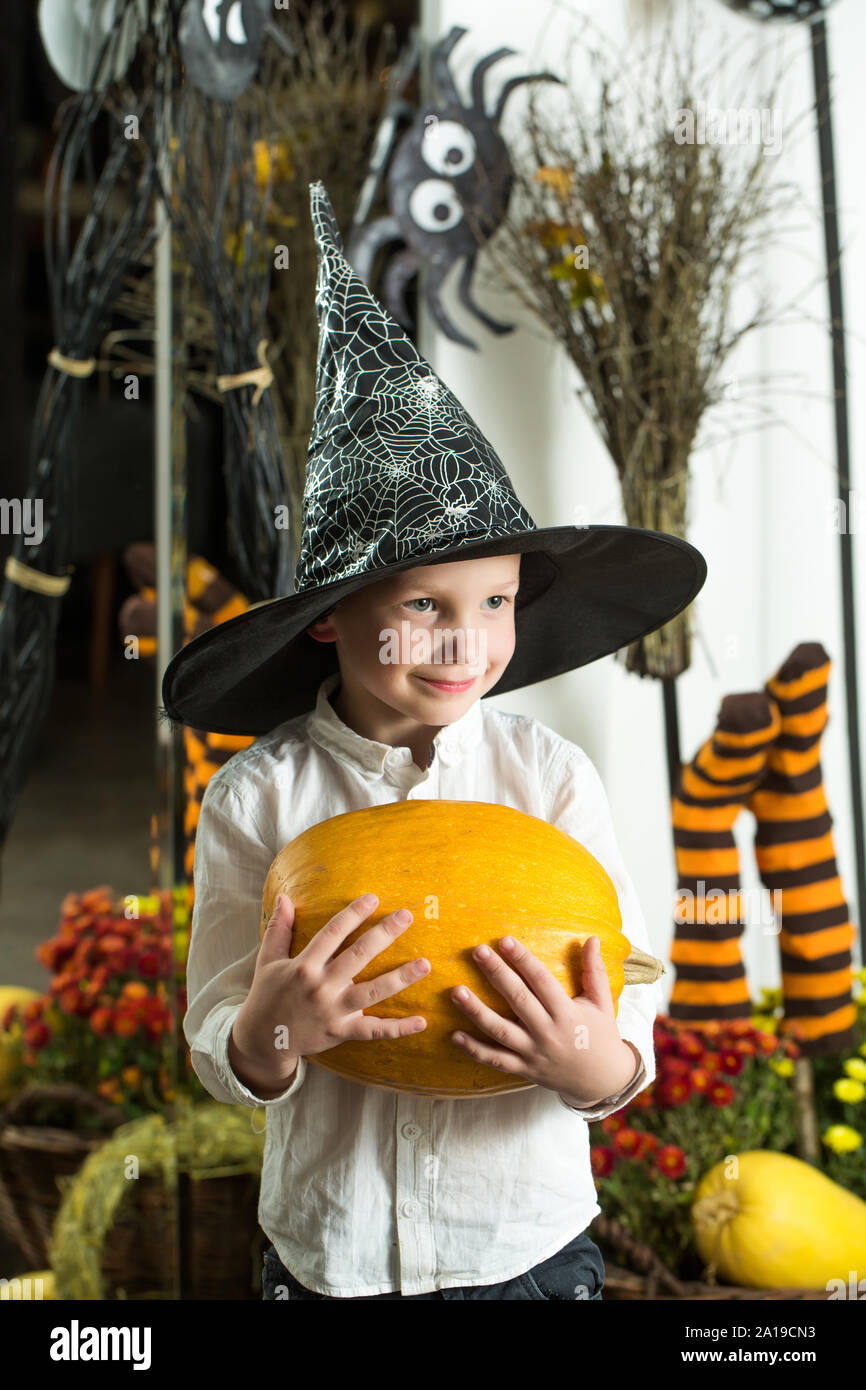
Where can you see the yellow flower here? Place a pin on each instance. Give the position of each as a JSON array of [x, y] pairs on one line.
[[862, 1049], [557, 178], [850, 1091], [272, 161], [842, 1139], [782, 1066], [765, 1023], [854, 1067], [770, 999]]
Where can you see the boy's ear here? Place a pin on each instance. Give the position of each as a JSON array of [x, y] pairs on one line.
[[322, 618]]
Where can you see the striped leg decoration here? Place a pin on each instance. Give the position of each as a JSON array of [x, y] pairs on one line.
[[712, 790], [796, 857]]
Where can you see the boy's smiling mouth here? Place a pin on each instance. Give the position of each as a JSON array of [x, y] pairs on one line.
[[449, 687]]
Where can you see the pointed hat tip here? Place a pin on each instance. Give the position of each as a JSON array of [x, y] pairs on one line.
[[325, 228]]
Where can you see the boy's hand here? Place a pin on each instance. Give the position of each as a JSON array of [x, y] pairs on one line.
[[568, 1045], [309, 1002]]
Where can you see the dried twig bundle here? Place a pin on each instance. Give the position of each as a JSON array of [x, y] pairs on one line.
[[632, 238]]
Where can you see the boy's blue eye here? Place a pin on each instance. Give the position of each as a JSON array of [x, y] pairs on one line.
[[410, 601]]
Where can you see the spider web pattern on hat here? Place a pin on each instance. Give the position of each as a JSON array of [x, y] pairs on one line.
[[396, 468]]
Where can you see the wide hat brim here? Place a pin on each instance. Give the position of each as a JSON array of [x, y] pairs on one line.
[[585, 592]]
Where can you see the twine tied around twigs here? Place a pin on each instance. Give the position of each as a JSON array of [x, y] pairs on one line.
[[260, 377], [54, 585], [72, 366]]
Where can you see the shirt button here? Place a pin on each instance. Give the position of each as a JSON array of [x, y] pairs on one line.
[[410, 1208], [410, 1131]]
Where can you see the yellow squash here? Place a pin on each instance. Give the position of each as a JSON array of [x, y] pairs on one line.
[[469, 872], [779, 1223]]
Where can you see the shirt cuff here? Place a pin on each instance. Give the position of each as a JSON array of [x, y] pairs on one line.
[[606, 1107], [242, 1094]]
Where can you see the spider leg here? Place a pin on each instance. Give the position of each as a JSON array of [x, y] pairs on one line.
[[439, 70], [479, 71], [513, 82], [432, 285], [364, 242], [465, 296], [399, 272]]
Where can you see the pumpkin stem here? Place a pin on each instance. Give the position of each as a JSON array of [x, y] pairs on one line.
[[640, 968]]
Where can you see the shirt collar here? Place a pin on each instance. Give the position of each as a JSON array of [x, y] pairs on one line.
[[451, 744]]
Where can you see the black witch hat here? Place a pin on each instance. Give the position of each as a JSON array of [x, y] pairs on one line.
[[398, 475]]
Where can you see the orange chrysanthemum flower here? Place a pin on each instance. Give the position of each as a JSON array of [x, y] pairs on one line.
[[670, 1160], [626, 1142], [720, 1093], [602, 1161]]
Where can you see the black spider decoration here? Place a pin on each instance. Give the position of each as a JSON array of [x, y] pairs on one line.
[[450, 160], [221, 41]]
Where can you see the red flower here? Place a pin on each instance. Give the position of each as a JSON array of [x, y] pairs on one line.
[[125, 1025], [709, 1028], [647, 1145], [711, 1062], [643, 1100], [602, 1160], [670, 1160], [732, 1062], [745, 1047], [113, 945], [36, 1035], [690, 1046], [740, 1028], [70, 1000], [611, 1123], [674, 1066], [701, 1080], [767, 1042], [720, 1093], [102, 1021], [626, 1142], [148, 963], [674, 1091]]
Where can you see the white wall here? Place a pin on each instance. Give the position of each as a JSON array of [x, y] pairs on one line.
[[759, 502]]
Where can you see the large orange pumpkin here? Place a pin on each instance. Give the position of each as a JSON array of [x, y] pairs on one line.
[[469, 872]]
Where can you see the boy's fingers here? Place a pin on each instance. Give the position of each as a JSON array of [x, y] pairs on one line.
[[595, 984], [282, 916]]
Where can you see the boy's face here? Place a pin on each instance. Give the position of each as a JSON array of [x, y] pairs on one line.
[[447, 623]]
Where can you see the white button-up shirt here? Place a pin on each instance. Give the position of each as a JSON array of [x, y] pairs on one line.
[[363, 1190]]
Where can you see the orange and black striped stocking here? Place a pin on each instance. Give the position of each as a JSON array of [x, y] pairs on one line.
[[796, 857], [711, 792]]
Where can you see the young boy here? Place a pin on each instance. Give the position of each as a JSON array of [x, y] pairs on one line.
[[412, 532]]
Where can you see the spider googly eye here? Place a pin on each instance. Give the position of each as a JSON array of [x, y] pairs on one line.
[[235, 31], [448, 148], [434, 206]]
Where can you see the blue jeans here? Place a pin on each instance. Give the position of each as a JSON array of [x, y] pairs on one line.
[[575, 1271]]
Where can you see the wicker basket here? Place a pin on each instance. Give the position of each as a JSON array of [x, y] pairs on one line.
[[221, 1249], [220, 1253], [642, 1274], [33, 1157]]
